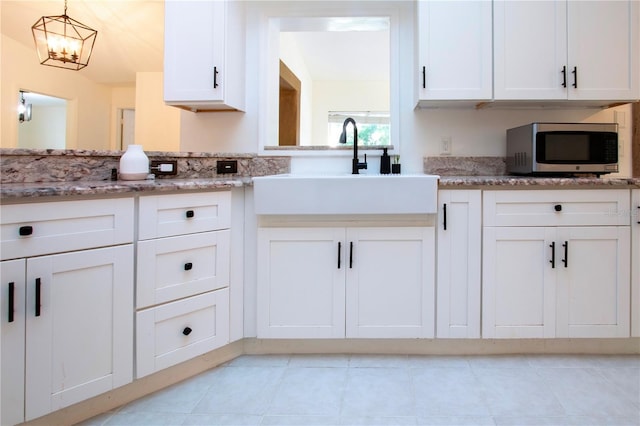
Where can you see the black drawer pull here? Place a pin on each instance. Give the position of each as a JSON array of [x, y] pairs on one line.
[[11, 300], [339, 253], [25, 230], [187, 331], [553, 255], [558, 207], [566, 254], [190, 214], [38, 296], [188, 266]]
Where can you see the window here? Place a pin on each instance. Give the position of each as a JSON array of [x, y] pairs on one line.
[[373, 127]]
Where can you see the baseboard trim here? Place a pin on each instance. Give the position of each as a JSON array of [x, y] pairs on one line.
[[442, 346]]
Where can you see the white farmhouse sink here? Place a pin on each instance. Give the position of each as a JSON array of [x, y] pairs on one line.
[[345, 194]]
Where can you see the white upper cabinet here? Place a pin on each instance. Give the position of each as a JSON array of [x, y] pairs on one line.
[[204, 55], [566, 50], [454, 50], [604, 49]]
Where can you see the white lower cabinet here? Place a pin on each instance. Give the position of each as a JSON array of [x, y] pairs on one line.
[[177, 331], [330, 282], [459, 262], [67, 329], [183, 275], [635, 262], [556, 281]]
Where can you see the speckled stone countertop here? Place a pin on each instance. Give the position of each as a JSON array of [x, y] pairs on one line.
[[520, 182], [22, 191]]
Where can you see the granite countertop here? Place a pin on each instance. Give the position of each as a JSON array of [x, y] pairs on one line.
[[508, 182], [15, 191]]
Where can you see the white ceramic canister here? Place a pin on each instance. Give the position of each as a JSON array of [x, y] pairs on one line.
[[134, 163]]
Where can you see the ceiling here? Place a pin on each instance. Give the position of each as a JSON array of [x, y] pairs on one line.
[[345, 55], [130, 39], [130, 33]]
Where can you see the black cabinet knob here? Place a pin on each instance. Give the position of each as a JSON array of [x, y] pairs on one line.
[[558, 207], [25, 230], [188, 266], [187, 331], [190, 214]]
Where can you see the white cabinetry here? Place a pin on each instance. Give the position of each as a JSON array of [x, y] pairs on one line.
[[454, 50], [576, 50], [332, 282], [204, 55], [67, 319], [556, 264], [635, 262], [182, 278], [458, 254]]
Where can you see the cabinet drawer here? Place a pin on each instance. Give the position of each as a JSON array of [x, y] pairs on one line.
[[177, 267], [178, 331], [168, 215], [590, 207], [43, 228]]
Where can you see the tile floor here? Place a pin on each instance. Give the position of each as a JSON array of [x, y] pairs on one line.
[[398, 390]]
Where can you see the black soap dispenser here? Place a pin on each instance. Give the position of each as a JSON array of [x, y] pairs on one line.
[[385, 163]]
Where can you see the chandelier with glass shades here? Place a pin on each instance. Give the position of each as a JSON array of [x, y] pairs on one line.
[[63, 42]]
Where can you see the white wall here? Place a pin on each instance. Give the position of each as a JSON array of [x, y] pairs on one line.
[[121, 98], [46, 129], [157, 125]]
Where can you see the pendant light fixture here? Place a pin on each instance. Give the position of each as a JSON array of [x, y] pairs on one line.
[[24, 109], [63, 42]]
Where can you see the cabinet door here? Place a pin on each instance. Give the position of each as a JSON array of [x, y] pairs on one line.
[[178, 331], [390, 282], [455, 57], [518, 282], [12, 275], [204, 54], [604, 44], [301, 278], [635, 263], [529, 57], [176, 267], [459, 246], [194, 50], [593, 281], [179, 214], [79, 320]]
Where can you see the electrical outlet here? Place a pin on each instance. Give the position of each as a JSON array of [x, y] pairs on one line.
[[445, 145], [164, 167], [227, 166]]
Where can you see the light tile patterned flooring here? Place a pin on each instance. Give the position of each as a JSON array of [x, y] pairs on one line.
[[398, 390]]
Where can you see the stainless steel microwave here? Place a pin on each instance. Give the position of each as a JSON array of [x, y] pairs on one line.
[[562, 148]]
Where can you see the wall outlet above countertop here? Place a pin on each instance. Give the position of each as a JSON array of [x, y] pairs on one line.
[[44, 165]]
